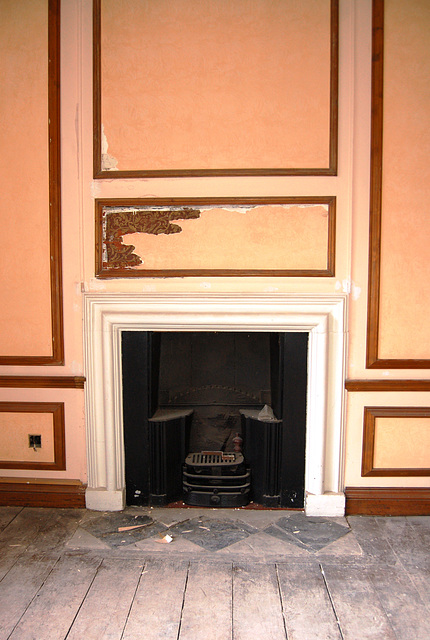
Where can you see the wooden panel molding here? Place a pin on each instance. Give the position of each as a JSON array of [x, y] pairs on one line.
[[389, 501], [330, 169], [38, 492], [57, 411], [54, 208], [373, 360], [369, 429], [387, 385], [43, 382], [115, 259]]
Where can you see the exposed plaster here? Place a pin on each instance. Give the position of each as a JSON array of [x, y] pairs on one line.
[[109, 163], [348, 286], [121, 221]]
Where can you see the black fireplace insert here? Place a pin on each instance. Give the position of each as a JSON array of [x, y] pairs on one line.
[[190, 393]]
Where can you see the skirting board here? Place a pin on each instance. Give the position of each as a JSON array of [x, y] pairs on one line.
[[387, 501], [37, 492]]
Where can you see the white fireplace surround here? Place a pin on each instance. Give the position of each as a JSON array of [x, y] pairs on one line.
[[323, 316]]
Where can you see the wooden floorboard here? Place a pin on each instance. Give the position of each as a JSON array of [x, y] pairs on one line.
[[157, 607], [207, 611], [375, 589], [7, 514], [408, 614], [307, 607], [257, 605], [103, 615], [356, 604], [59, 526], [18, 535], [19, 587], [52, 611]]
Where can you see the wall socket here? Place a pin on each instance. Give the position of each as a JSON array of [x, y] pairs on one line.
[[34, 442]]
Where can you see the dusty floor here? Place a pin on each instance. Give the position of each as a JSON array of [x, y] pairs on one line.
[[220, 574]]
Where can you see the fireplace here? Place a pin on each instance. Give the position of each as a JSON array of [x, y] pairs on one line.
[[215, 392], [321, 317]]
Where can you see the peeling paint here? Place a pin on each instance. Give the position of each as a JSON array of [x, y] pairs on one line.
[[96, 285], [95, 189], [356, 291], [349, 286], [76, 368], [120, 221], [346, 285], [109, 163]]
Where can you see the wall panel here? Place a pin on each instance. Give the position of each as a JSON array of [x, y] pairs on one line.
[[396, 441], [19, 420], [30, 260], [214, 236], [202, 87], [399, 285]]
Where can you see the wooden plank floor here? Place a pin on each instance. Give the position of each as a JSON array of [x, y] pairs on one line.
[[48, 592]]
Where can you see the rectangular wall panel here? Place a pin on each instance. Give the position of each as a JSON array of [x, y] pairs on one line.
[[399, 286], [272, 236], [396, 441], [203, 87], [30, 259], [19, 421]]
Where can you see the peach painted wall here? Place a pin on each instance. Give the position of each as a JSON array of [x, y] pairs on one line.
[[202, 84], [14, 441], [24, 204], [259, 237], [402, 443], [405, 271], [350, 187]]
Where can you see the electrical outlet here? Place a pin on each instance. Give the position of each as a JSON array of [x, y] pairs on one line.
[[34, 442]]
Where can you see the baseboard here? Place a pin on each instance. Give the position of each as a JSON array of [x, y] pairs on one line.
[[38, 492], [387, 501]]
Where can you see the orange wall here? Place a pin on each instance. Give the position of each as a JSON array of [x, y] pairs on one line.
[[24, 294]]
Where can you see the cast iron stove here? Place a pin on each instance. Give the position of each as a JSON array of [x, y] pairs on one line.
[[216, 479]]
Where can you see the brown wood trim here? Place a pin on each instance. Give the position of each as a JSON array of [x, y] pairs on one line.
[[368, 450], [389, 501], [33, 492], [376, 170], [173, 173], [103, 272], [53, 115], [375, 182], [97, 93], [57, 410], [43, 382], [387, 385], [54, 106]]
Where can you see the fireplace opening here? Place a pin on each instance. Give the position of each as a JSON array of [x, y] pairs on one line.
[[218, 394]]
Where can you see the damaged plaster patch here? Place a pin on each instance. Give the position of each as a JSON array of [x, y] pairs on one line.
[[121, 221], [95, 285], [348, 286], [109, 163]]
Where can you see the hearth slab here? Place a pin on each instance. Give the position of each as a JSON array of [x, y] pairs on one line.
[[306, 532], [106, 528], [212, 534]]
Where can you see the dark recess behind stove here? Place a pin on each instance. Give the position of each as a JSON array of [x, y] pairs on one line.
[[213, 373]]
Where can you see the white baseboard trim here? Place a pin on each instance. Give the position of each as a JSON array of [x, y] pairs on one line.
[[331, 505], [104, 500]]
